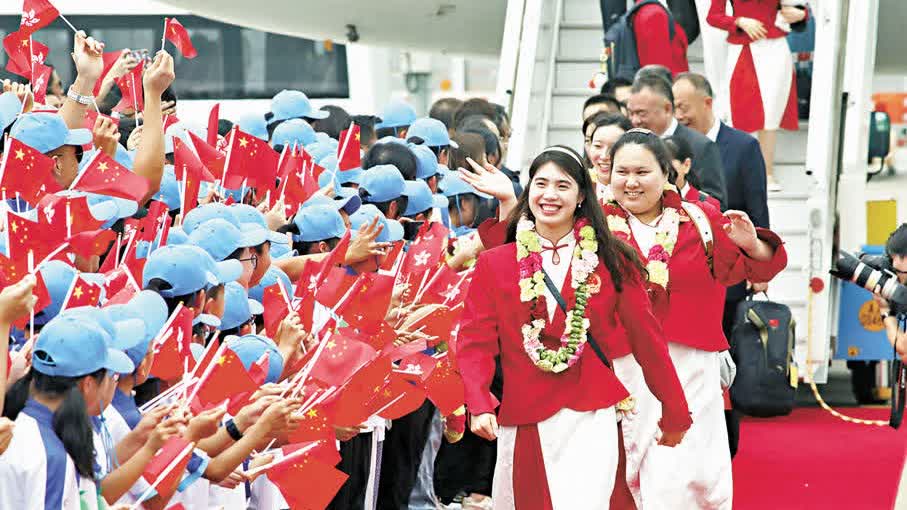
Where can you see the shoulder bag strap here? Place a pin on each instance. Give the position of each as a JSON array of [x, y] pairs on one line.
[[705, 231], [563, 306]]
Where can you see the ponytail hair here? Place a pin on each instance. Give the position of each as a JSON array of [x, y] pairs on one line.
[[70, 421]]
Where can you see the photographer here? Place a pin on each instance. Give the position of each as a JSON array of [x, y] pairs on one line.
[[896, 255]]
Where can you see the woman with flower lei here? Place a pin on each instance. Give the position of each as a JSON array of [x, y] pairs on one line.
[[557, 412], [688, 294]]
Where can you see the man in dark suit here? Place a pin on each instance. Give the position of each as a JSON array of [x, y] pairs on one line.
[[744, 178], [651, 106]]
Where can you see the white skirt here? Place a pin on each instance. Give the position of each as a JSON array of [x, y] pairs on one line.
[[696, 473], [580, 455], [758, 91]]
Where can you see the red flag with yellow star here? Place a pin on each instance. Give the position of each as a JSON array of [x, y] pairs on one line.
[[226, 379], [81, 293], [353, 404], [37, 14], [28, 236], [40, 292], [24, 171], [212, 158], [398, 397], [334, 286], [276, 305], [445, 386], [368, 302], [171, 346], [22, 52], [92, 242], [250, 159], [176, 33], [306, 483], [105, 176], [315, 424], [130, 85], [176, 452], [342, 357], [348, 152]]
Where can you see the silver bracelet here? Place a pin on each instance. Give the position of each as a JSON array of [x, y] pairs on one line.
[[86, 100]]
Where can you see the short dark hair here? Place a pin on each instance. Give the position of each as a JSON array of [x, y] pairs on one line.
[[679, 149], [492, 146], [602, 99], [474, 122], [384, 207], [607, 119], [656, 84], [366, 125], [611, 86], [698, 81], [392, 153], [334, 123], [444, 109], [223, 127], [475, 106], [471, 145], [897, 242], [655, 70], [389, 131]]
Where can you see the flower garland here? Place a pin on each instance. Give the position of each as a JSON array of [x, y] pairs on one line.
[[532, 291], [665, 235]]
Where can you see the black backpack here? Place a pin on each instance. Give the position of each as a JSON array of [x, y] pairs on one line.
[[620, 41], [762, 346]]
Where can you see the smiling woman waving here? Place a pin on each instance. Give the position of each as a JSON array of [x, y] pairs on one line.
[[548, 303]]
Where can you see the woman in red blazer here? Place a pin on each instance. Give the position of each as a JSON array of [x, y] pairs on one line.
[[687, 288], [557, 412]]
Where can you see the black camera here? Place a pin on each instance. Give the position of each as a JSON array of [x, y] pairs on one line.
[[873, 273]]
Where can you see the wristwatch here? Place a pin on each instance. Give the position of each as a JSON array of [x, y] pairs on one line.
[[75, 96], [233, 430]]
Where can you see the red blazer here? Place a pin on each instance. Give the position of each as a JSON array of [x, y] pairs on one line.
[[696, 296], [693, 196], [765, 11], [653, 41], [490, 326]]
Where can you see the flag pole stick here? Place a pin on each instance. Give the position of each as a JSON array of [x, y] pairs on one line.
[[68, 220], [188, 449], [164, 36], [298, 453], [79, 177], [74, 29], [31, 269], [135, 103]]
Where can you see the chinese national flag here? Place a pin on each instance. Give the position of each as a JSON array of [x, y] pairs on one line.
[[40, 292], [306, 483], [37, 14], [176, 33], [325, 451], [348, 155], [105, 176], [213, 121], [259, 370], [91, 242], [445, 387], [249, 159], [334, 258], [39, 80], [189, 168], [316, 424], [130, 85], [390, 260], [352, 406], [13, 270], [171, 347], [274, 301], [24, 172], [110, 58], [342, 357], [368, 302], [170, 120], [22, 52], [26, 235], [334, 287], [227, 378], [398, 398], [299, 187], [212, 158], [176, 452], [426, 250], [81, 293]]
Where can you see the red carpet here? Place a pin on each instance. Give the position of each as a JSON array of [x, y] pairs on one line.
[[811, 460]]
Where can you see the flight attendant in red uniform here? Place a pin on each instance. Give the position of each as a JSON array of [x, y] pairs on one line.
[[653, 40], [557, 413], [759, 90], [674, 239]]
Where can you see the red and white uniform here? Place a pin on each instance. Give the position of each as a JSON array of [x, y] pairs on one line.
[[697, 473], [558, 445], [653, 40], [759, 90]]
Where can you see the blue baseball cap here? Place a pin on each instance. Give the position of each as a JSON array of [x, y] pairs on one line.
[[317, 223], [169, 193], [293, 131], [123, 334], [251, 348], [291, 104], [342, 177], [345, 199], [204, 213], [75, 347], [10, 106], [452, 184], [432, 131], [238, 308], [58, 277], [181, 130], [326, 139], [188, 269], [176, 236], [45, 132], [397, 114], [220, 238], [392, 232], [253, 222], [148, 307], [426, 161], [271, 276], [319, 150], [278, 251], [254, 124], [421, 198], [383, 183]]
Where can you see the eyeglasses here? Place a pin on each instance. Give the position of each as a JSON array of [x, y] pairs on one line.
[[253, 260]]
